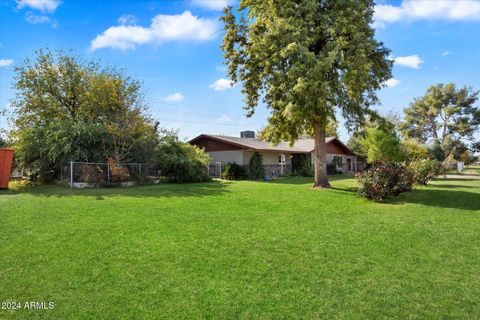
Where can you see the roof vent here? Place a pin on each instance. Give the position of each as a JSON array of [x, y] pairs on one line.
[[247, 134]]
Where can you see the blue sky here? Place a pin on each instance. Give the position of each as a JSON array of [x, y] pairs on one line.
[[174, 48]]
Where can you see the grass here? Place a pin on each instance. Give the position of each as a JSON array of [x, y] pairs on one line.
[[469, 170], [242, 250], [475, 170]]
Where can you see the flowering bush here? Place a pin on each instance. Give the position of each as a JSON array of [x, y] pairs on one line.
[[425, 170], [383, 180]]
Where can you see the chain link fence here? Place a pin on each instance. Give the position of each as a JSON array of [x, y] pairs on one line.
[[95, 174]]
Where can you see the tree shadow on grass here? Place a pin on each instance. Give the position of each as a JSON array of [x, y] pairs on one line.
[[457, 179], [346, 189], [292, 180], [310, 180], [453, 186], [440, 198], [203, 189]]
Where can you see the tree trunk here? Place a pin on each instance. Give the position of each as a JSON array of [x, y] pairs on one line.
[[320, 151]]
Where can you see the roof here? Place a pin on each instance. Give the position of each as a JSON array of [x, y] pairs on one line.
[[300, 146]]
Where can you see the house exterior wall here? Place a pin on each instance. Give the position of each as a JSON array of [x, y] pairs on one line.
[[242, 157], [227, 156], [344, 160], [268, 158], [333, 148]]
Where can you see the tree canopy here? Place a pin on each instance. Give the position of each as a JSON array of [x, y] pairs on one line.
[[443, 117], [377, 140], [382, 145], [3, 142], [70, 110], [306, 60]]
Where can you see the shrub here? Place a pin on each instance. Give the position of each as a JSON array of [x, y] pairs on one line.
[[383, 180], [233, 171], [331, 168], [181, 162], [414, 151], [303, 166], [256, 166], [90, 174], [117, 173], [425, 170]]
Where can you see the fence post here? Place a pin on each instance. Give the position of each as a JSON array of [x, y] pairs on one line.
[[139, 169], [108, 173], [71, 174]]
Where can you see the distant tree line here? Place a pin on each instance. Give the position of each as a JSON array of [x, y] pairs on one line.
[[440, 125]]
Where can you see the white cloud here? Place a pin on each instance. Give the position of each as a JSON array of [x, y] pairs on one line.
[[413, 61], [212, 4], [221, 84], [446, 53], [174, 97], [390, 83], [42, 5], [126, 19], [224, 119], [34, 19], [5, 62], [411, 10], [164, 28]]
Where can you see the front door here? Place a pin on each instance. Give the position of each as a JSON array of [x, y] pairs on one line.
[[349, 164]]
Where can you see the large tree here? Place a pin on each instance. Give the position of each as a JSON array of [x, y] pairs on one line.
[[444, 117], [306, 59], [70, 110]]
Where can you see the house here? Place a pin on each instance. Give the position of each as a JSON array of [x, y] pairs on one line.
[[280, 158]]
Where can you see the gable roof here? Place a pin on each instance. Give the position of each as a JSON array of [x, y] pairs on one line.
[[300, 146]]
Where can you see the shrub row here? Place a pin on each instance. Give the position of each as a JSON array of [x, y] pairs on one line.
[[386, 179]]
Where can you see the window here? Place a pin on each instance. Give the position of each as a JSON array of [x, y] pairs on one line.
[[337, 161], [281, 159]]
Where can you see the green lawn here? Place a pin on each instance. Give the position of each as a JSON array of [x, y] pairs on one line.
[[469, 170], [475, 170], [242, 250]]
